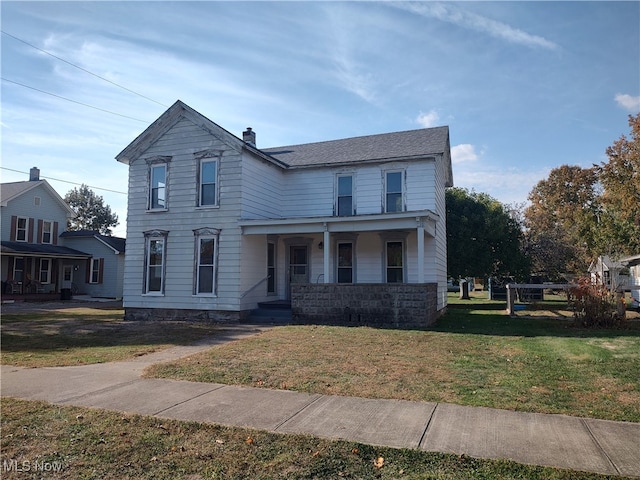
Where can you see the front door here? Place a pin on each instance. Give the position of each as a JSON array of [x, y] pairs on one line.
[[298, 265]]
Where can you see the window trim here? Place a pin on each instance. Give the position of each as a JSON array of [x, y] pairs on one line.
[[208, 156], [338, 196], [272, 270], [96, 270], [402, 173], [44, 222], [153, 163], [155, 235], [206, 233], [25, 229], [48, 271]]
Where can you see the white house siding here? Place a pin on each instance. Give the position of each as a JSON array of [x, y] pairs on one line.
[[307, 193], [181, 142], [262, 185], [438, 250]]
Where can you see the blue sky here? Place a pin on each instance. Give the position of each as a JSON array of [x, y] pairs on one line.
[[523, 86]]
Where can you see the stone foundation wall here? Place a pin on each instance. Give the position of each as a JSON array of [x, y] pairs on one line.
[[159, 314], [395, 305]]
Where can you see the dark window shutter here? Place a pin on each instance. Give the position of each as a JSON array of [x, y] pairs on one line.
[[14, 227], [87, 276], [54, 234], [101, 271], [40, 231], [31, 228]]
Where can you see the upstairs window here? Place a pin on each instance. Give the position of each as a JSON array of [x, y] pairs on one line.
[[47, 228], [393, 192], [344, 200], [158, 197], [21, 229], [208, 182]]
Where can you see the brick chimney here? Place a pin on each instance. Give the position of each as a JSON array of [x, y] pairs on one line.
[[249, 137], [34, 174]]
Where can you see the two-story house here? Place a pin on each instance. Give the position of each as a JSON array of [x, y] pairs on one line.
[[348, 231], [39, 260]]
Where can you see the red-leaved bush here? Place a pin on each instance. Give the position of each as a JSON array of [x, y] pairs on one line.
[[594, 305]]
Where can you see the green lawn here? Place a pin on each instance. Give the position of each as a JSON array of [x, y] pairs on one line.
[[475, 355], [96, 444]]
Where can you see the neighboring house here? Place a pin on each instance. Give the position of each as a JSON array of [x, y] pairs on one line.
[[608, 272], [36, 259], [104, 273], [349, 231], [633, 264]]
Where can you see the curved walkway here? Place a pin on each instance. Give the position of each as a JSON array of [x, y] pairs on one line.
[[585, 444]]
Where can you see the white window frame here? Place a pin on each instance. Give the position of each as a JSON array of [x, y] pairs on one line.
[[152, 237], [47, 271], [353, 261], [44, 231], [201, 184], [386, 260], [154, 164], [25, 230], [272, 268], [94, 271], [338, 196], [206, 234], [387, 192]]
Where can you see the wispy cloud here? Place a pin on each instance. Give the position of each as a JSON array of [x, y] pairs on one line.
[[628, 102], [454, 14], [429, 119]]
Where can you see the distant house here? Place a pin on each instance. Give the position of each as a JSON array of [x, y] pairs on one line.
[[633, 264], [608, 272], [349, 231], [38, 259]]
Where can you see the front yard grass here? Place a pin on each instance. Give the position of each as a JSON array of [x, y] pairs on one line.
[[82, 335], [40, 440], [475, 355]]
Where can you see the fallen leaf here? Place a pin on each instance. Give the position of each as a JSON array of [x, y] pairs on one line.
[[219, 441], [249, 441], [154, 459], [316, 453], [355, 451], [378, 462]]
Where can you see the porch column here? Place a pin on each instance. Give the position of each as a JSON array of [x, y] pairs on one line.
[[420, 233], [327, 253]]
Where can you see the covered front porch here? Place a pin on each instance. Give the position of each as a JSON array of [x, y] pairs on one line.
[[358, 270]]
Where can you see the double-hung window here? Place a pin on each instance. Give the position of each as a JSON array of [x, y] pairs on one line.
[[155, 262], [345, 262], [271, 267], [46, 231], [45, 270], [206, 260], [96, 270], [344, 200], [208, 182], [21, 229], [158, 197], [393, 191], [394, 262]]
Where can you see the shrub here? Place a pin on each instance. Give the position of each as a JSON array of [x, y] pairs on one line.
[[595, 306]]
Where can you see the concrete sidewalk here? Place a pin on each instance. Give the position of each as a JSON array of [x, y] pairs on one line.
[[584, 444]]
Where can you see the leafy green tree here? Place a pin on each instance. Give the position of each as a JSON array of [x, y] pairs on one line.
[[483, 238], [91, 211]]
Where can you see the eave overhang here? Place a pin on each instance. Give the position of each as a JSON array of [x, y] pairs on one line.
[[357, 223]]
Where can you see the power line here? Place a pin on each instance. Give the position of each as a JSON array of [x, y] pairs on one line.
[[67, 181], [83, 69], [73, 101]]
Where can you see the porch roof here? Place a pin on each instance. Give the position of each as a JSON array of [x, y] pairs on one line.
[[22, 249], [356, 223]]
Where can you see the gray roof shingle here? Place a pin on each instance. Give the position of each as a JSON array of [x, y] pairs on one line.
[[117, 243], [386, 146]]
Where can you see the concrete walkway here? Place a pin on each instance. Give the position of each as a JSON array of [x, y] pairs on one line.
[[584, 444]]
